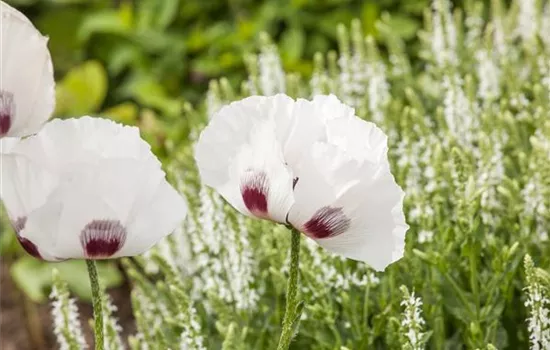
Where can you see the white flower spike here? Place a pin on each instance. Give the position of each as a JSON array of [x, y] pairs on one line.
[[311, 164], [87, 188], [27, 90]]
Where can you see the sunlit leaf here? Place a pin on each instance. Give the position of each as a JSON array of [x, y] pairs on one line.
[[82, 90], [34, 277], [125, 113], [403, 26], [293, 44], [106, 22]]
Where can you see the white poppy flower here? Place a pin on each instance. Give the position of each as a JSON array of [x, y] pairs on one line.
[[27, 90], [311, 164], [87, 188]]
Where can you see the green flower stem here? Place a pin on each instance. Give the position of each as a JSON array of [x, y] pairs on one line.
[[291, 293], [96, 300]]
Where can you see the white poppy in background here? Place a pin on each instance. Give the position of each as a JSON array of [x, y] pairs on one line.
[[87, 188], [311, 164], [27, 90]]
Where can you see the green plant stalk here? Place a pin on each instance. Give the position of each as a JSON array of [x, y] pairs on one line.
[[291, 293], [337, 337], [475, 286], [365, 320], [97, 303], [474, 280], [439, 328]]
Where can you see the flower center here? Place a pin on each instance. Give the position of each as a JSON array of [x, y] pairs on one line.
[[102, 238], [327, 222], [254, 190], [7, 111]]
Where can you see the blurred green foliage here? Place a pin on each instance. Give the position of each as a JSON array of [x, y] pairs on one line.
[[142, 62], [157, 52], [34, 277]]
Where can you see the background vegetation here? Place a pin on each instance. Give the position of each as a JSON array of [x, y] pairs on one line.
[[463, 95], [146, 62]]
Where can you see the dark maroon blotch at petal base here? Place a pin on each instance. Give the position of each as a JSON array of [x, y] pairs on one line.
[[7, 111], [30, 247], [254, 190], [102, 238], [327, 222]]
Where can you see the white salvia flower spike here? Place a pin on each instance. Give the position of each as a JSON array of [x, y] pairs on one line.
[[412, 323], [311, 164], [271, 73], [66, 323], [87, 188], [537, 303], [27, 89]]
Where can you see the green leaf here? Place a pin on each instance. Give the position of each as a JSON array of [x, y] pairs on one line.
[[7, 243], [125, 113], [82, 90], [293, 44], [149, 92], [17, 3], [403, 26], [122, 56], [66, 2], [166, 13], [61, 26], [369, 16], [298, 314], [34, 277], [156, 14], [107, 22], [75, 273]]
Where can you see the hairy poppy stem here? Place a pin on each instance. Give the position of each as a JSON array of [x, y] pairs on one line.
[[97, 303], [292, 310]]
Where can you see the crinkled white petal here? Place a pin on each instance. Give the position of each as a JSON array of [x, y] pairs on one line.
[[25, 186], [318, 185], [309, 124], [377, 231], [239, 151], [57, 226], [330, 107], [305, 128], [316, 158], [109, 192], [361, 140], [107, 177], [27, 90], [356, 193], [154, 216], [230, 128], [7, 144], [86, 140]]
